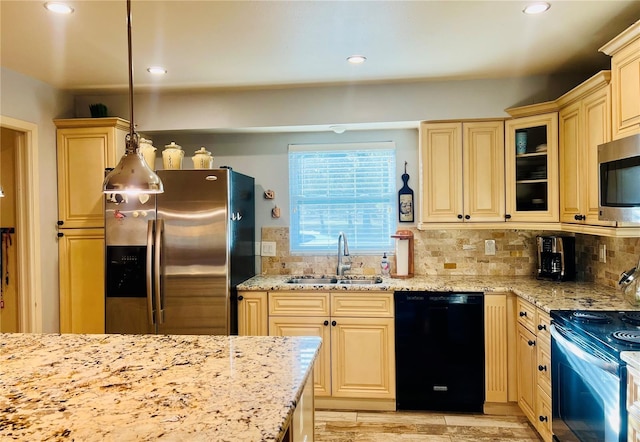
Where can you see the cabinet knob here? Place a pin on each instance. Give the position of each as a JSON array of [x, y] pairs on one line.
[[60, 234], [579, 217], [60, 222], [326, 322], [240, 298], [523, 314], [334, 323], [467, 217], [459, 216], [542, 368], [542, 327], [531, 343], [543, 418], [507, 216]]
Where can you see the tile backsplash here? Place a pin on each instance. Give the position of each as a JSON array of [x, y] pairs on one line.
[[461, 252]]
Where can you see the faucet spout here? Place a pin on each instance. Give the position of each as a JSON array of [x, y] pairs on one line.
[[343, 252]]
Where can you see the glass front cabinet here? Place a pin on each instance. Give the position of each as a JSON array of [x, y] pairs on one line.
[[531, 155]]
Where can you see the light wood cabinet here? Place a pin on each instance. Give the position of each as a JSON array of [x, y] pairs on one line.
[[81, 272], [625, 81], [357, 358], [534, 366], [584, 123], [532, 175], [633, 404], [462, 171], [85, 147], [496, 347], [252, 314]]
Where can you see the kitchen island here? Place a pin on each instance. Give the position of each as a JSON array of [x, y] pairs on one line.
[[152, 387]]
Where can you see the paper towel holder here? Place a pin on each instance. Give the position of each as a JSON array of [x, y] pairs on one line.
[[404, 235]]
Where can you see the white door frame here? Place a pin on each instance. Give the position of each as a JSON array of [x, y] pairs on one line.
[[27, 224]]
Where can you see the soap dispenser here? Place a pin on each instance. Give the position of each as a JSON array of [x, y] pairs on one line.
[[384, 265]]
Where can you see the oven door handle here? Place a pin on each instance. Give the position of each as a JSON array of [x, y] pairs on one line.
[[563, 341]]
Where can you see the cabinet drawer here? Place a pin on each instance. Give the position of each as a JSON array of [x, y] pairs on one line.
[[633, 388], [364, 305], [526, 314], [543, 416], [543, 368], [543, 323], [298, 304]]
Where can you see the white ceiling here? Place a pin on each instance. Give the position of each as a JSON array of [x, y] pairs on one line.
[[225, 44]]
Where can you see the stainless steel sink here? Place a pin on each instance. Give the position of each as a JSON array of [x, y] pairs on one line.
[[334, 280], [312, 281]]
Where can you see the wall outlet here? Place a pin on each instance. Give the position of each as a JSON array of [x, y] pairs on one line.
[[602, 252], [490, 247], [268, 248]]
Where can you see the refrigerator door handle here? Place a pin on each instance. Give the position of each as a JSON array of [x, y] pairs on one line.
[[156, 271], [150, 313]]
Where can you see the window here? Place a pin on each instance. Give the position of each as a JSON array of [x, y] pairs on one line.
[[346, 188]]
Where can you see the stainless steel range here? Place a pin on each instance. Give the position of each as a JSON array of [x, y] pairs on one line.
[[588, 376]]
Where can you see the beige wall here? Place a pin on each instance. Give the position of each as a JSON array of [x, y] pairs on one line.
[[24, 98]]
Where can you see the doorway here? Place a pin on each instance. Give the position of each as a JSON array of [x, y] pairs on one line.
[[19, 209]]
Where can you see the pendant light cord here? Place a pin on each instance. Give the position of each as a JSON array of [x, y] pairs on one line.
[[132, 144]]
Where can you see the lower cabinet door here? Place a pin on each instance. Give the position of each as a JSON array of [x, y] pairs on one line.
[[543, 415], [362, 358], [81, 274], [309, 326], [526, 355], [252, 314]]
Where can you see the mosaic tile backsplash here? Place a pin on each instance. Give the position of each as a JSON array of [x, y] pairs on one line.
[[461, 252]]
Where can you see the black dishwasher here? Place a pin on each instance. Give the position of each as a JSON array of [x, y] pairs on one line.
[[439, 351]]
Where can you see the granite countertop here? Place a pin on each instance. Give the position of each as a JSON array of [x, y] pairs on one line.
[[547, 295], [151, 387]]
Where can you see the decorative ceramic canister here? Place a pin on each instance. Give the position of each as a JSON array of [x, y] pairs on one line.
[[172, 156], [202, 159], [148, 152]]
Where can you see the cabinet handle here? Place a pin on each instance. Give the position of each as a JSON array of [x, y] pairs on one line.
[[523, 314], [507, 216], [542, 368], [60, 222], [334, 323], [240, 298], [531, 343], [60, 234], [579, 217], [542, 327], [467, 217], [326, 323], [543, 418], [459, 216]]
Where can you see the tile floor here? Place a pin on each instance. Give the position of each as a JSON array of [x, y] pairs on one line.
[[351, 426]]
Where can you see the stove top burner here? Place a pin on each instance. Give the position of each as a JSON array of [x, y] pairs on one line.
[[628, 336], [590, 317], [631, 317]]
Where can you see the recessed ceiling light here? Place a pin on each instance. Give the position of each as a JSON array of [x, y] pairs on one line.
[[356, 59], [58, 8], [156, 70], [536, 8]]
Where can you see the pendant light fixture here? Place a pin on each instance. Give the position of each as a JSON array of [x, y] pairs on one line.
[[132, 175]]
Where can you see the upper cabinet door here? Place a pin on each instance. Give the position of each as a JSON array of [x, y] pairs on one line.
[[625, 81], [483, 171], [441, 172], [531, 159], [85, 147]]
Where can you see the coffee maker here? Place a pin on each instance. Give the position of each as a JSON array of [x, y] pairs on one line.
[[556, 257]]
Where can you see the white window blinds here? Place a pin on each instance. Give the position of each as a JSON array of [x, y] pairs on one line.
[[346, 188]]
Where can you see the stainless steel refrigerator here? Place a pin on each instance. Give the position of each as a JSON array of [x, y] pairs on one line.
[[173, 260]]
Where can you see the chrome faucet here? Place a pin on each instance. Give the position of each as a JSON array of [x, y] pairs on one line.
[[342, 253]]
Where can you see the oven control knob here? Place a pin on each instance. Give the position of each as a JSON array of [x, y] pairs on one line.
[[543, 418], [542, 368], [531, 343]]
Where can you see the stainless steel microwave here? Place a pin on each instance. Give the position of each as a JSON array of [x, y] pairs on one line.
[[619, 180]]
